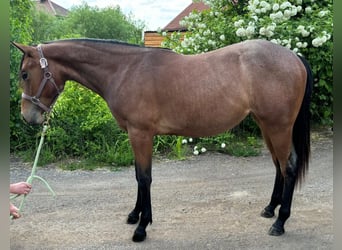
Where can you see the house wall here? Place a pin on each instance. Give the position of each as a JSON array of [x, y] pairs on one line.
[[153, 39]]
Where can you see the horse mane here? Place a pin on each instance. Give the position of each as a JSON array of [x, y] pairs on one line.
[[106, 41]]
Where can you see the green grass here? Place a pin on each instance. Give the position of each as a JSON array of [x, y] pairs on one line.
[[114, 157]]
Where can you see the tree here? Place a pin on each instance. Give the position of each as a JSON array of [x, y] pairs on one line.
[[304, 26], [106, 23], [47, 27]]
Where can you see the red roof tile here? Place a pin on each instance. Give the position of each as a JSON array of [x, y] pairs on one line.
[[50, 8], [174, 24]]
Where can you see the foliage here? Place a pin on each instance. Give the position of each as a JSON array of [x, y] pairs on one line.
[[304, 26], [83, 127], [105, 23], [49, 28], [20, 20], [20, 31]]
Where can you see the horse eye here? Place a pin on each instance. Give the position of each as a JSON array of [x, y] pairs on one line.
[[24, 75]]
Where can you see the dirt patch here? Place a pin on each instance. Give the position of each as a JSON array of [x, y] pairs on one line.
[[211, 201]]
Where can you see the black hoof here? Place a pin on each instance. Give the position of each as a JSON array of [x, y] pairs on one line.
[[139, 235], [276, 231], [267, 213], [133, 218]]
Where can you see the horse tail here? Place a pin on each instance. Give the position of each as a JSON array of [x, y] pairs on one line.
[[301, 129]]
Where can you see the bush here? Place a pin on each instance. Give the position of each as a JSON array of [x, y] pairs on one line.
[[83, 127]]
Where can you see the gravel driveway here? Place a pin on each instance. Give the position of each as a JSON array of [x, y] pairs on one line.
[[211, 201]]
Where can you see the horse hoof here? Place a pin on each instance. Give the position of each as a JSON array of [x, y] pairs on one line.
[[139, 235], [267, 214], [276, 231], [133, 218]]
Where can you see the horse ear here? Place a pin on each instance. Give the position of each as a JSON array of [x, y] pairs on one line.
[[21, 47]]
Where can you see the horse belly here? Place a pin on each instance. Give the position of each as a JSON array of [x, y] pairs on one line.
[[208, 119]]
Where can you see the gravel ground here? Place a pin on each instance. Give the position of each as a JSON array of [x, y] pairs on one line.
[[211, 201]]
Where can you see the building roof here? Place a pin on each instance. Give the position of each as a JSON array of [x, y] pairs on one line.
[[50, 8], [174, 24]]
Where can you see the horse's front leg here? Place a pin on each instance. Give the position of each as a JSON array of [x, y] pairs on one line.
[[144, 185], [134, 216], [142, 144]]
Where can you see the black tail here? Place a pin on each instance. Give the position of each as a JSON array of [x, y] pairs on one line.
[[301, 129]]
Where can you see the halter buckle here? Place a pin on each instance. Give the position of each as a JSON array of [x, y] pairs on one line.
[[35, 100], [43, 62], [48, 75]]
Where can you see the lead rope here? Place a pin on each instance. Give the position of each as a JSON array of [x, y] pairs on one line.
[[34, 168]]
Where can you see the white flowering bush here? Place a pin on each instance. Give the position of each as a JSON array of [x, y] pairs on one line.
[[294, 24], [304, 26]]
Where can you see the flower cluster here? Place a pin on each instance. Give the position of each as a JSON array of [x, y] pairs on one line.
[[303, 31], [277, 13], [247, 32], [276, 21], [197, 149], [320, 40], [201, 37], [268, 31]]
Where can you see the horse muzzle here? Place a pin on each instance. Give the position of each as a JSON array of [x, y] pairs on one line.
[[32, 114]]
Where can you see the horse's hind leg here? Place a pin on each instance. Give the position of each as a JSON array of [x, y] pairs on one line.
[[276, 197], [285, 161], [290, 176], [268, 211]]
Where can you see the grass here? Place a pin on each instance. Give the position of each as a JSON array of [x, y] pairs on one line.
[[172, 147]]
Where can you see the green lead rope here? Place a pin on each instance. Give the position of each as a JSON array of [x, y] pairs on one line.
[[33, 172]]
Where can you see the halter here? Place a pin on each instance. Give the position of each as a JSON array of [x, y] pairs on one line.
[[47, 77]]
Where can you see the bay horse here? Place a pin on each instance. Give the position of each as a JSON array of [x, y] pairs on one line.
[[155, 91]]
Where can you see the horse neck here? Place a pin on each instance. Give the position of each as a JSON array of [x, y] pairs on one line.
[[92, 65]]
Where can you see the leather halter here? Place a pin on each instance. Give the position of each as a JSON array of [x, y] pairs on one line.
[[47, 77]]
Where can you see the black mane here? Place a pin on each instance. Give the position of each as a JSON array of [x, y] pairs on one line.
[[109, 41]]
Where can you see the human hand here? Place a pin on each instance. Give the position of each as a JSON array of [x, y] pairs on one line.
[[20, 188]]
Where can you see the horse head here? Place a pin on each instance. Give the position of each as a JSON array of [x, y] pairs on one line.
[[40, 84]]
